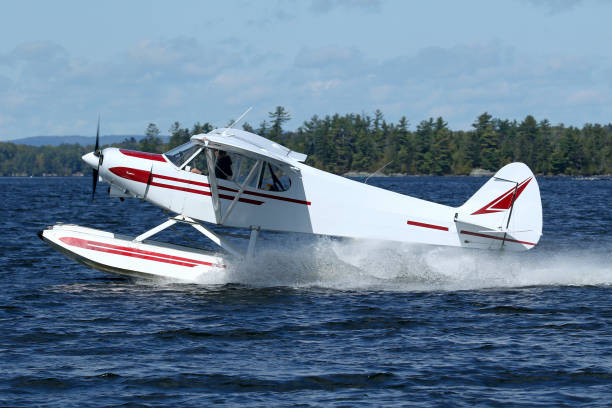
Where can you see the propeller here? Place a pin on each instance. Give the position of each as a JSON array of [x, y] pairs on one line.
[[98, 154]]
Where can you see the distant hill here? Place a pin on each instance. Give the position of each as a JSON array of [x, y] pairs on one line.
[[81, 140]]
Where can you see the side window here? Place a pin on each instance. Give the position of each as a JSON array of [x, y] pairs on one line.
[[273, 178], [198, 164], [241, 166]]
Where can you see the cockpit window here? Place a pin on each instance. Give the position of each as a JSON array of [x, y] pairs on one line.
[[198, 164], [273, 178], [230, 166], [182, 153], [241, 167]]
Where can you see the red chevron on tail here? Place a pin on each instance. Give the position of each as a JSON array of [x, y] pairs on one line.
[[504, 201]]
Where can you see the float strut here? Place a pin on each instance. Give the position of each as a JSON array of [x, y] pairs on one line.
[[252, 242], [155, 230], [205, 231]]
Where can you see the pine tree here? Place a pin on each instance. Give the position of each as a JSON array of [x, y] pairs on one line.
[[543, 148], [248, 128], [278, 117], [263, 129], [422, 156], [440, 149], [178, 136], [201, 128], [527, 135], [152, 142]]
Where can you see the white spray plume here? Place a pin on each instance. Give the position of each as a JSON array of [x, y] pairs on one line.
[[367, 265]]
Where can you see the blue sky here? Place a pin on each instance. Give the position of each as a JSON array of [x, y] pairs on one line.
[[135, 62]]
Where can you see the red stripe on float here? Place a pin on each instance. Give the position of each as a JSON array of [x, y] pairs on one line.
[[132, 252], [477, 234], [143, 155], [422, 224]]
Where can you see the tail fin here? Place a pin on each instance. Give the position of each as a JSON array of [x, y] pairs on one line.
[[506, 212]]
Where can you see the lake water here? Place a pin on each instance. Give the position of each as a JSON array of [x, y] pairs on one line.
[[314, 321]]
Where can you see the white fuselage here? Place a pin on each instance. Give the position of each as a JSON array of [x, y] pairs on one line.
[[317, 202]]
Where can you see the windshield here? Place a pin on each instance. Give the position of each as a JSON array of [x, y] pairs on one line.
[[180, 154]]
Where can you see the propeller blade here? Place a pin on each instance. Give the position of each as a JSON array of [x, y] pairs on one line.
[[97, 148], [98, 154], [95, 183]]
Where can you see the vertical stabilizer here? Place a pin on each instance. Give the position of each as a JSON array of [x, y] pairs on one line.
[[506, 212]]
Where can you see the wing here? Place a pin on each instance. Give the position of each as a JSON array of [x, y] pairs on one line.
[[250, 145]]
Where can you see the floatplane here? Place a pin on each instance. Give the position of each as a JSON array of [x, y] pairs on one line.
[[234, 178]]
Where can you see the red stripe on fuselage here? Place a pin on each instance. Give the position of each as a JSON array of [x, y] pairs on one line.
[[179, 188], [264, 195], [195, 183], [132, 252], [143, 155], [142, 176], [288, 199], [477, 234], [422, 224], [202, 192]]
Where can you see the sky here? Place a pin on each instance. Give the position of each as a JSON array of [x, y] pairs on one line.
[[135, 62]]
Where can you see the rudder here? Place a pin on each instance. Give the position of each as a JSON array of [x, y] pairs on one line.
[[506, 212]]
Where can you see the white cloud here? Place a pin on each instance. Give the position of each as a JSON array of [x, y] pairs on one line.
[[232, 80], [188, 80], [272, 14], [585, 97], [326, 6], [317, 87], [555, 6], [6, 120], [251, 94], [382, 93], [321, 58]]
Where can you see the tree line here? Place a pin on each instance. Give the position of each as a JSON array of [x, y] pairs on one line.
[[366, 143]]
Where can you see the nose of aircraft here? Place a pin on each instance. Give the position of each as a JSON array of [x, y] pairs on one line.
[[91, 159]]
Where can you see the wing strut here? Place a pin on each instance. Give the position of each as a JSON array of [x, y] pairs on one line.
[[250, 176], [211, 162]]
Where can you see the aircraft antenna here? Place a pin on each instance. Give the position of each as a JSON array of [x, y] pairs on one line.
[[370, 176], [239, 119]]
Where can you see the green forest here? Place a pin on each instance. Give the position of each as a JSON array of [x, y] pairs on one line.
[[366, 143]]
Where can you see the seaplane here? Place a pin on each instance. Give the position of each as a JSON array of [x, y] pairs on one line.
[[234, 178]]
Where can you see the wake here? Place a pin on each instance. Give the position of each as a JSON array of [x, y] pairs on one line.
[[367, 265]]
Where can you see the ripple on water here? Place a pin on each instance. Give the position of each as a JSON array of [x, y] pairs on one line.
[[315, 321]]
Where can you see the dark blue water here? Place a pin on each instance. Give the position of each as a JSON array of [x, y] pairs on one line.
[[314, 322]]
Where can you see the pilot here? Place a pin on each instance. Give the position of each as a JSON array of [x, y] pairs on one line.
[[223, 169]]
